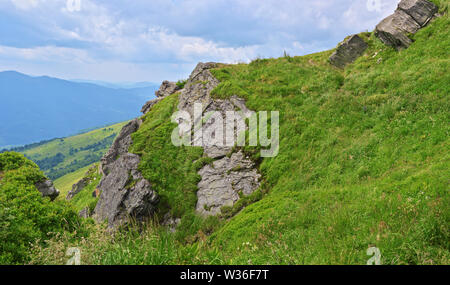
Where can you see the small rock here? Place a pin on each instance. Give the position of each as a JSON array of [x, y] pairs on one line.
[[120, 145], [167, 88], [124, 192], [170, 222], [47, 189], [84, 213]]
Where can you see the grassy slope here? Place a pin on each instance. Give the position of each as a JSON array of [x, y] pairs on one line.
[[80, 159], [363, 162], [363, 158]]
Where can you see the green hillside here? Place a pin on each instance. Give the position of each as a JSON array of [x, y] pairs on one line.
[[63, 156], [64, 184], [363, 161]]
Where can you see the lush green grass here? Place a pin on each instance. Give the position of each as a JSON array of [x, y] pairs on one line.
[[363, 157], [363, 161], [63, 156]]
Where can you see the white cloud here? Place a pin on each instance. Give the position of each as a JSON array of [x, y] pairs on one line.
[[25, 4], [158, 33], [45, 54]]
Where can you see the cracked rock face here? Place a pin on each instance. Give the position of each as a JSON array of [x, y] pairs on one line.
[[47, 189], [224, 182], [410, 16], [228, 178], [167, 88], [125, 193], [348, 51], [120, 145], [149, 105]]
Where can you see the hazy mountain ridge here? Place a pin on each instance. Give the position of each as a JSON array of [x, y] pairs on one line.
[[38, 108]]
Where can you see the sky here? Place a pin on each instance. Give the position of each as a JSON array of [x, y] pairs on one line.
[[155, 40]]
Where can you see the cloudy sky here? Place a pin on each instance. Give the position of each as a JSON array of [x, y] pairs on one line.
[[153, 40]]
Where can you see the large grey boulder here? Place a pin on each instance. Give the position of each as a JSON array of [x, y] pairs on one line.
[[410, 16], [348, 51], [124, 193], [120, 145], [47, 189]]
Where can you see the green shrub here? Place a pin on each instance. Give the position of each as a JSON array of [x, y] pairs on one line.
[[24, 215]]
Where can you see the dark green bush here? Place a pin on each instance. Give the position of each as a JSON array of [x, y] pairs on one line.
[[26, 217]]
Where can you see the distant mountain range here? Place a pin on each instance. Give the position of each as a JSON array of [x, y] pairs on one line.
[[119, 85], [40, 108]]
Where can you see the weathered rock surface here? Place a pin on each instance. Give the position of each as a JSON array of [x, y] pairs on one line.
[[410, 16], [167, 88], [224, 182], [47, 189], [124, 193], [348, 51], [120, 145], [77, 187], [227, 178], [421, 11]]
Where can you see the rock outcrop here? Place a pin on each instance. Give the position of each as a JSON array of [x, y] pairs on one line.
[[167, 88], [227, 178], [120, 146], [47, 189], [84, 213], [124, 193], [348, 51], [410, 16]]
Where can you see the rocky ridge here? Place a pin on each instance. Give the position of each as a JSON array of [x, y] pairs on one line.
[[124, 192]]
